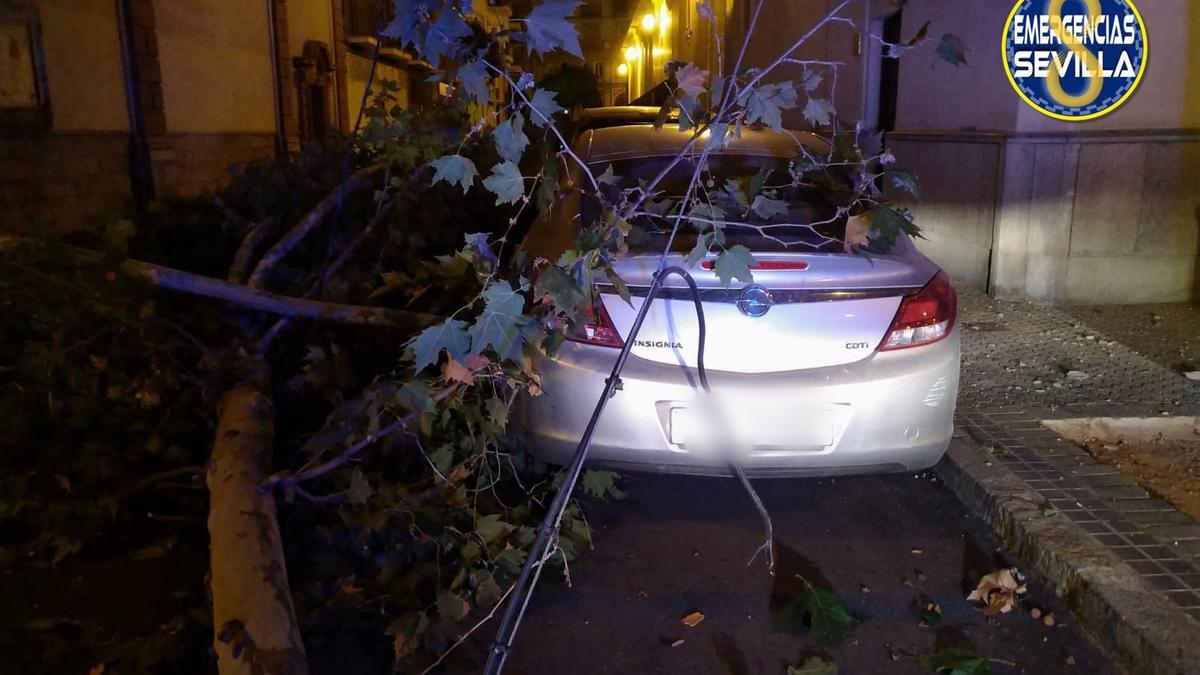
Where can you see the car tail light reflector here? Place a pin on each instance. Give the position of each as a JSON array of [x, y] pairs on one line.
[[597, 329], [923, 317]]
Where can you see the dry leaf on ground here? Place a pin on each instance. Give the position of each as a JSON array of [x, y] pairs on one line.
[[999, 590], [692, 619]]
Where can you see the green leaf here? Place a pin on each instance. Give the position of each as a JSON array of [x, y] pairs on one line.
[[547, 28], [474, 78], [491, 527], [903, 180], [455, 169], [545, 106], [734, 263], [561, 287], [598, 483], [823, 614], [814, 665], [956, 660], [818, 112], [703, 242], [887, 224], [767, 208], [812, 80], [766, 103], [497, 326], [608, 177], [952, 50], [445, 37], [506, 182], [509, 561], [360, 490], [414, 396], [451, 607], [427, 346], [510, 138]]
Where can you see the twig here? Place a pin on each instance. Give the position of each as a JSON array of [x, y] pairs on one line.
[[463, 638], [292, 479], [358, 180]]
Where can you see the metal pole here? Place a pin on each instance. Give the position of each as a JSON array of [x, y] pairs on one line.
[[532, 569]]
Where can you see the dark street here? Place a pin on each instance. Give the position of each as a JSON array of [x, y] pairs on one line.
[[678, 545]]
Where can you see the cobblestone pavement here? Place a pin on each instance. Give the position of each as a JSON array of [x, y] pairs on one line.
[[1023, 363], [1035, 357], [1168, 334]]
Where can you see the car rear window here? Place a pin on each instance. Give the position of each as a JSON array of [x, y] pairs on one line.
[[806, 223]]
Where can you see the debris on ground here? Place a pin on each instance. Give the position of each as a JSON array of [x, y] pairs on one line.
[[999, 591], [691, 620]]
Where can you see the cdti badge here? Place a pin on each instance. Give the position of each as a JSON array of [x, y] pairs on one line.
[[1075, 60]]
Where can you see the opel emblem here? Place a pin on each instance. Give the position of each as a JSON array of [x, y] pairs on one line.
[[754, 301]]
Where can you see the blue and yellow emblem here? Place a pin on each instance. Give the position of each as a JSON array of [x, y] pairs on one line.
[[1075, 60]]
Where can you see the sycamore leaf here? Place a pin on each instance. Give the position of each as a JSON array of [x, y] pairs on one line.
[[445, 37], [957, 660], [812, 80], [427, 346], [497, 326], [703, 242], [692, 620], [952, 50], [510, 138], [561, 287], [767, 208], [456, 371], [409, 22], [887, 224], [506, 182], [692, 80], [455, 169], [452, 607], [414, 396], [814, 665], [600, 484], [818, 112], [857, 229], [547, 28], [822, 613], [491, 527], [545, 106], [734, 263], [509, 561], [360, 490], [903, 180], [766, 103], [999, 591], [474, 78], [608, 177]]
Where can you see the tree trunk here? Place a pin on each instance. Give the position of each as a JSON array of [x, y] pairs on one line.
[[253, 617]]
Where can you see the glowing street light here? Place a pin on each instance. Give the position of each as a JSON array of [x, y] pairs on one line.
[[649, 23], [622, 69], [632, 53]]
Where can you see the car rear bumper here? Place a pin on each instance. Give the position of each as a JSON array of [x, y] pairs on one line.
[[892, 411]]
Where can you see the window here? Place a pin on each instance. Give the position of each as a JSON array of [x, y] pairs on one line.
[[24, 99], [313, 79]]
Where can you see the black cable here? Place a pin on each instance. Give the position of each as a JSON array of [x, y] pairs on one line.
[[532, 569]]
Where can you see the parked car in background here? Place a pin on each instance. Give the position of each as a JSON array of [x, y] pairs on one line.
[[828, 363]]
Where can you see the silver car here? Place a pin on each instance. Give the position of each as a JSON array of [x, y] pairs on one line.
[[828, 363]]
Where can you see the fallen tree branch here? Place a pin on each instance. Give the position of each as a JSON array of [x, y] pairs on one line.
[[244, 258], [309, 222], [265, 301]]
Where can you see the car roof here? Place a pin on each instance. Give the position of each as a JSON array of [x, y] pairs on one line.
[[621, 115], [643, 140]]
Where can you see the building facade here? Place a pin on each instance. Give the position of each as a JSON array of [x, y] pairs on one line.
[[107, 103], [1015, 202]]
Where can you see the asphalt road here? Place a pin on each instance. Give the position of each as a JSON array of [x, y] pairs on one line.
[[678, 545]]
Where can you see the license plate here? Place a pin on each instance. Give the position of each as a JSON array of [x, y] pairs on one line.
[[812, 428]]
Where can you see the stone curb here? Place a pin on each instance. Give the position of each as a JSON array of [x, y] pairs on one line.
[[1136, 626]]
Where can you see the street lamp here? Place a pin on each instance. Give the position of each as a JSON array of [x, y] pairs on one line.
[[648, 24]]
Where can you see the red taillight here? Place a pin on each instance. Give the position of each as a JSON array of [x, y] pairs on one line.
[[924, 317], [598, 329], [766, 265]]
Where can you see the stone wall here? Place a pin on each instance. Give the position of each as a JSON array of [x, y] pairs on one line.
[[187, 165], [64, 181], [1097, 218]]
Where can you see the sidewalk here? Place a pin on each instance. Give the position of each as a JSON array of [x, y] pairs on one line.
[[1128, 561]]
